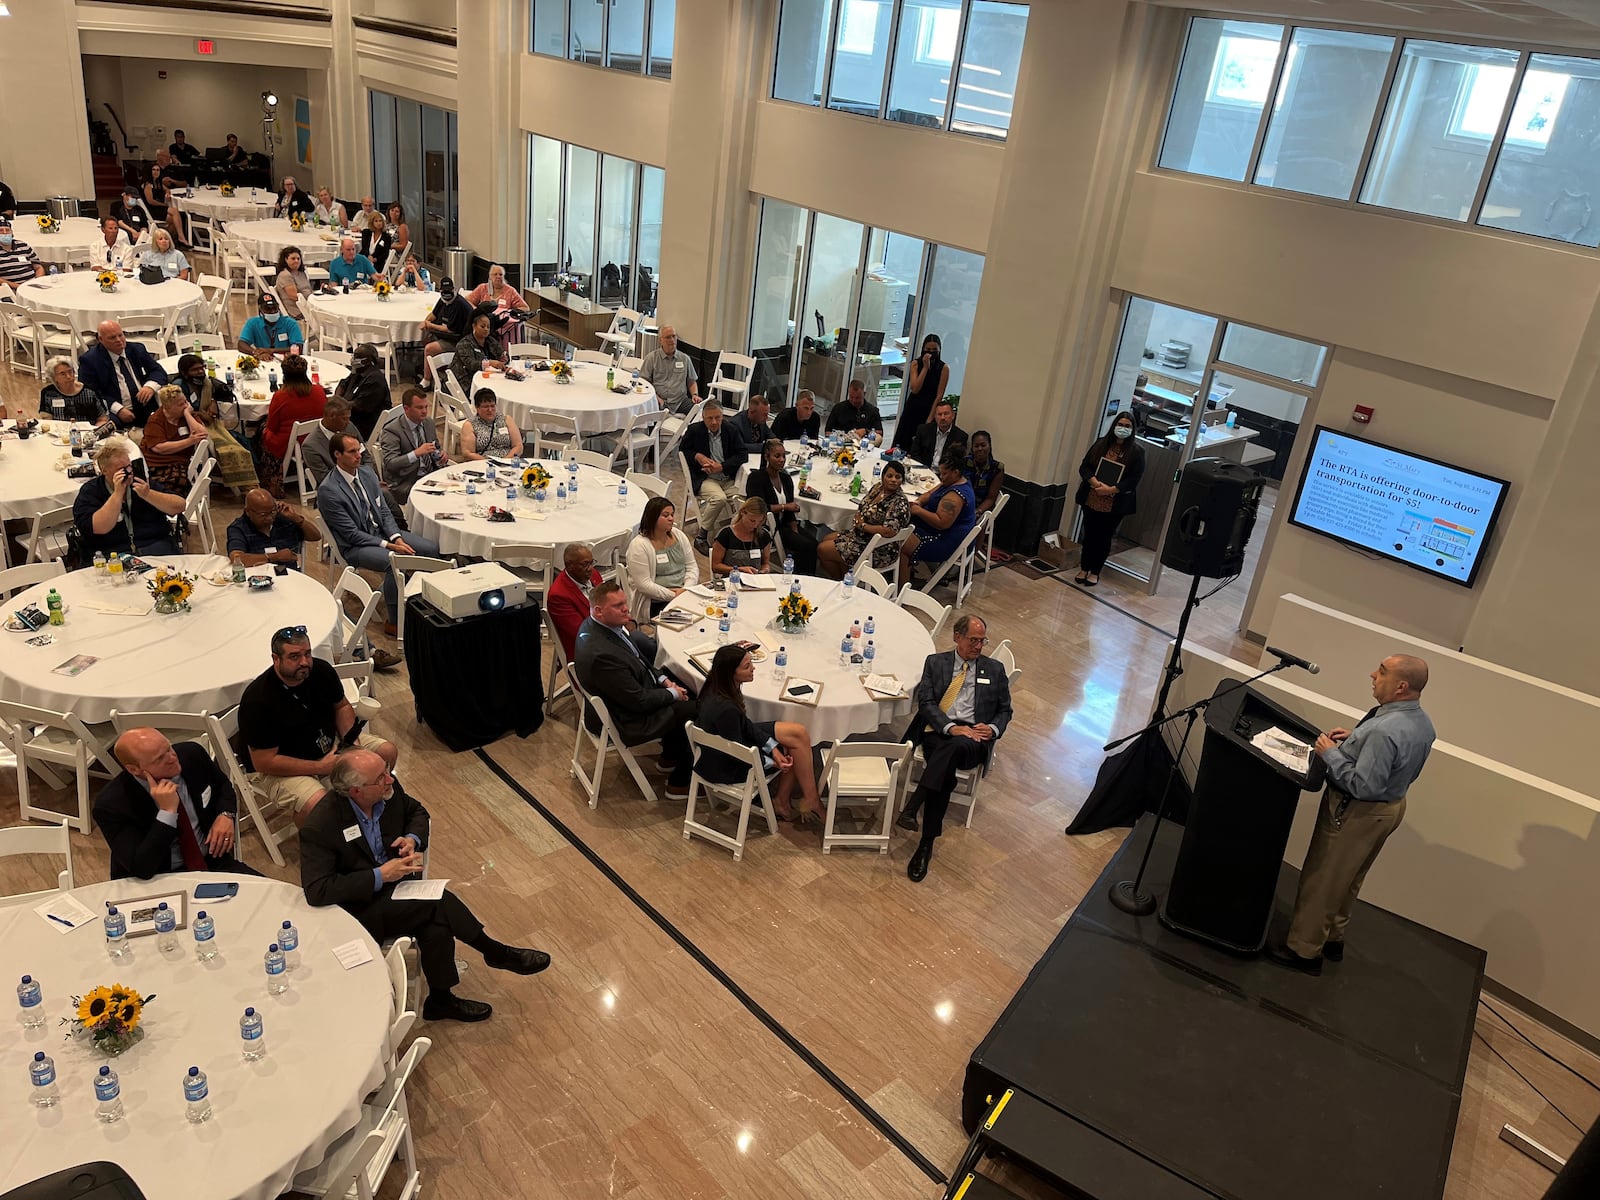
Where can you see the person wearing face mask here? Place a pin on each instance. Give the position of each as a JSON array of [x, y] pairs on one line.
[[271, 333], [445, 326], [930, 376], [1104, 504], [18, 262], [366, 389], [131, 215]]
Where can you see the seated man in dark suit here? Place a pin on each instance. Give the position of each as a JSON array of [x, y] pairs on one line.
[[714, 454], [410, 444], [171, 809], [124, 373], [645, 704], [367, 838], [963, 706], [928, 443], [753, 425]]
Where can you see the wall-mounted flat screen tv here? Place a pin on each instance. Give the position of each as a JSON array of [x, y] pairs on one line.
[[1417, 510]]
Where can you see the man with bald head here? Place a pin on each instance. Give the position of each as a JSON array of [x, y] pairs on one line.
[[363, 219], [270, 531], [124, 373], [1370, 768], [351, 267], [171, 809], [671, 372]]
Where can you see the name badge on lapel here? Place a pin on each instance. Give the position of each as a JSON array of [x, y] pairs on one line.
[[352, 833], [661, 558], [205, 797]]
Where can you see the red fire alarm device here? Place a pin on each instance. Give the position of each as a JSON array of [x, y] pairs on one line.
[[1362, 415], [204, 46]]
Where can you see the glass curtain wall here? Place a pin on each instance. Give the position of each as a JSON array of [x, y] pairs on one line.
[[415, 164], [597, 217], [623, 35], [833, 300]]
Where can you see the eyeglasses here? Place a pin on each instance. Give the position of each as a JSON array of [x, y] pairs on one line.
[[974, 641]]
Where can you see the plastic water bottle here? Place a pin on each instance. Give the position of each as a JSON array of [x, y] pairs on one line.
[[849, 579], [30, 998], [540, 498], [230, 377], [731, 604], [196, 1097], [472, 487], [868, 654], [622, 494], [489, 477], [107, 1096], [780, 663], [277, 970], [272, 378], [561, 496], [805, 439], [252, 1035], [116, 932], [877, 471], [205, 937], [511, 495], [634, 382], [42, 1074], [572, 484], [166, 928], [846, 649], [855, 632], [871, 627], [794, 587], [724, 628], [788, 568], [289, 943]]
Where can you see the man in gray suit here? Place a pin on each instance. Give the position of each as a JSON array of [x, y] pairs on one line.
[[963, 707], [410, 444], [351, 503]]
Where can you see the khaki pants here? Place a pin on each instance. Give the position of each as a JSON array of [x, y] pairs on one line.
[[719, 499], [1337, 863]]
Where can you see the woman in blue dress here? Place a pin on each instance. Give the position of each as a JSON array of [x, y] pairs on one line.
[[942, 516]]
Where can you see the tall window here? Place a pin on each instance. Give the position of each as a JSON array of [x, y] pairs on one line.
[[833, 301], [1221, 94], [1547, 177], [414, 164], [596, 217], [624, 35], [944, 64]]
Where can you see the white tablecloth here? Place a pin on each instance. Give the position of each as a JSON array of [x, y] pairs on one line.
[[326, 1039], [834, 508], [244, 204], [79, 297], [186, 662], [33, 473], [403, 312], [266, 238], [255, 394], [596, 516], [586, 398], [845, 707], [77, 237]]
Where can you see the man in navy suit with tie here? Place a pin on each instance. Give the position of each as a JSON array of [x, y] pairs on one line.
[[963, 706], [410, 444], [125, 375], [351, 502]]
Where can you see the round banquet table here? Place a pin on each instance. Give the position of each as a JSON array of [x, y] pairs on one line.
[[78, 296], [326, 1043], [596, 516], [268, 237], [33, 473], [844, 706], [255, 394], [403, 312], [834, 508], [586, 399], [244, 204], [187, 662], [78, 236]]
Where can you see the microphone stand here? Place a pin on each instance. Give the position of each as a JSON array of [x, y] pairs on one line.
[[1127, 894]]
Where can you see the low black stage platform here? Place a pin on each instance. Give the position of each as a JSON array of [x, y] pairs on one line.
[[1181, 1072]]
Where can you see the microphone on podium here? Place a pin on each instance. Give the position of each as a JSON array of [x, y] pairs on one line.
[[1294, 660]]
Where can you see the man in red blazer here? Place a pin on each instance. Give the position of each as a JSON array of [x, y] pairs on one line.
[[568, 601]]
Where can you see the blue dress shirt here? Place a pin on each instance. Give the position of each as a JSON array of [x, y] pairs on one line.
[[1384, 754]]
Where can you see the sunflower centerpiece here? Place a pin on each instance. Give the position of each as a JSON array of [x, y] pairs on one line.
[[248, 366], [794, 612], [48, 224], [107, 281], [844, 460], [535, 479], [110, 1017], [382, 289], [561, 370], [227, 189], [297, 221], [171, 590]]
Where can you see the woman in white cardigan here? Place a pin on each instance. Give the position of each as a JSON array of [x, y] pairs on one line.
[[660, 559]]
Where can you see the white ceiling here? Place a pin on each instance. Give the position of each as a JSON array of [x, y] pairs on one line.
[[1574, 23]]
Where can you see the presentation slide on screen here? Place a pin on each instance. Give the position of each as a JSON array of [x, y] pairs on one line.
[[1424, 513]]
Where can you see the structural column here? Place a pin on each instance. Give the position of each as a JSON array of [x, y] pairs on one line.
[[489, 48]]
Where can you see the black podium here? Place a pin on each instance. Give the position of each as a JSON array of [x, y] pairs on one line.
[[477, 678], [1244, 804]]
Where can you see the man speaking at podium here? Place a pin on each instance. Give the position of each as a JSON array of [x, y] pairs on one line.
[[1370, 770]]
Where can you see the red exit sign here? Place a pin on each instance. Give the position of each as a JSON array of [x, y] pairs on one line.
[[204, 46]]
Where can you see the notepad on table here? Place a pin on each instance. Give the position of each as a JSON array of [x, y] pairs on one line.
[[758, 583], [802, 691], [352, 954]]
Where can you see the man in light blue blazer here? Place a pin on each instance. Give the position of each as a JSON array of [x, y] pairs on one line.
[[351, 502], [963, 707]]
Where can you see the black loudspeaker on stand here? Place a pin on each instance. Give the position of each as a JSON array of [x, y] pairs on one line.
[[1212, 519]]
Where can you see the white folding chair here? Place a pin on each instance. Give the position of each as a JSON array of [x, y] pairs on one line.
[[217, 290], [451, 415], [197, 505], [623, 336], [41, 738], [1007, 659], [47, 540], [556, 687], [294, 466], [590, 458], [864, 774], [629, 362], [530, 350], [350, 633], [375, 442], [987, 556], [873, 580], [926, 608], [36, 337], [673, 428], [535, 562], [34, 839], [403, 1015], [356, 677], [223, 731], [403, 567], [968, 780], [597, 357], [605, 740], [732, 390], [960, 562], [743, 795], [439, 365], [776, 534], [641, 439], [553, 433], [651, 485], [17, 579], [877, 541], [330, 548], [356, 1165], [689, 510], [382, 338], [206, 341]]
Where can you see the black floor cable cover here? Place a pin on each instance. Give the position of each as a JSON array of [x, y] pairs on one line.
[[873, 1117]]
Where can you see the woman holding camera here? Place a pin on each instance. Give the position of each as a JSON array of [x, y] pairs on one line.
[[118, 512]]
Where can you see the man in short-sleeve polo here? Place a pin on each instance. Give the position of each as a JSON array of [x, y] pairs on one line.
[[670, 371]]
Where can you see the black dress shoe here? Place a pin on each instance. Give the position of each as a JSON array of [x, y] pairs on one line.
[[907, 820], [450, 1007], [1333, 951], [518, 959], [917, 868], [1286, 957]]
